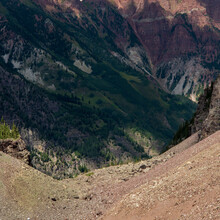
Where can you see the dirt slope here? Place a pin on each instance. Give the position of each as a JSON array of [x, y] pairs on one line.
[[189, 191], [27, 193]]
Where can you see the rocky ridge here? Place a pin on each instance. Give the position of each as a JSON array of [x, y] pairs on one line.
[[212, 121]]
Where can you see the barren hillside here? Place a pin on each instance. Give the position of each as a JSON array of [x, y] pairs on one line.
[[189, 191], [186, 176]]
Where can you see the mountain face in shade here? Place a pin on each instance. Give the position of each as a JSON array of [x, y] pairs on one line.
[[97, 78]]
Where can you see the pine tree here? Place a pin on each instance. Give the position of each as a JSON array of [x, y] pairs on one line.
[[6, 132], [2, 120], [14, 131]]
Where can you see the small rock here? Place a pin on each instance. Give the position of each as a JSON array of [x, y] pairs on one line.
[[54, 199], [99, 213], [88, 197], [143, 166]]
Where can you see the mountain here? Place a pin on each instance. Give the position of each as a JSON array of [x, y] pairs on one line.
[[177, 42], [181, 39], [92, 84], [79, 82], [180, 183]]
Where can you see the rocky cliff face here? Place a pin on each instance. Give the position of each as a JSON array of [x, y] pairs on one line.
[[207, 116], [181, 38], [15, 148], [176, 42], [212, 122]]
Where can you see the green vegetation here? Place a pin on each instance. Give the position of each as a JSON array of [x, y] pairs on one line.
[[90, 174], [7, 132], [89, 109], [83, 168], [182, 133], [45, 157]]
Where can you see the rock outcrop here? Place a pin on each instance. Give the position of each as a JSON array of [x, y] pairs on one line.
[[15, 148], [207, 116], [212, 121]]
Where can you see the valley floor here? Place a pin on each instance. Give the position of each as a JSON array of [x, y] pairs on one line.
[[182, 183]]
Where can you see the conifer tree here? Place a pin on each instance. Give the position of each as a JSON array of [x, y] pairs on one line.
[[6, 132]]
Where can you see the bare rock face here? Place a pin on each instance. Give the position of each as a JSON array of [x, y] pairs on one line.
[[15, 148], [202, 111], [212, 122], [207, 116]]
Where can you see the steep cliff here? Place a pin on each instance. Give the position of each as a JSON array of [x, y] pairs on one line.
[[181, 39], [207, 116], [206, 119]]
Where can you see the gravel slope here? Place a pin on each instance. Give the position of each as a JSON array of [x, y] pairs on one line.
[[190, 190], [134, 189]]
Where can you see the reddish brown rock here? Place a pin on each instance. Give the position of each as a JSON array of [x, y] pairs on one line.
[[167, 30]]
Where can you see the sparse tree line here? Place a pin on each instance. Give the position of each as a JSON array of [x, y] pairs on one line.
[[8, 132]]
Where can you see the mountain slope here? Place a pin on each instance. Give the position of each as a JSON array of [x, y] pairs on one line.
[[181, 183], [63, 82], [181, 39], [189, 191], [186, 186], [175, 41], [179, 176]]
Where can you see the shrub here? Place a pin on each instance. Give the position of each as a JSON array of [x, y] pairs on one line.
[[45, 157], [83, 168]]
